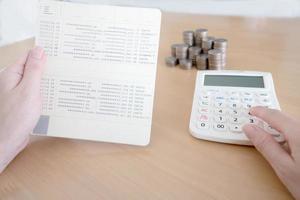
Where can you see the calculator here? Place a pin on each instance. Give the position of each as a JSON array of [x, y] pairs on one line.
[[221, 104]]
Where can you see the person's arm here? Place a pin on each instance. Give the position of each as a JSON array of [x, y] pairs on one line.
[[286, 163], [20, 103]]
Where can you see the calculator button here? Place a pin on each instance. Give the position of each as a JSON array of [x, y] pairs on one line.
[[265, 101], [220, 111], [203, 110], [220, 127], [235, 128], [220, 98], [236, 120], [203, 118], [256, 121], [203, 103], [234, 99], [234, 93], [234, 105], [248, 100], [263, 94], [247, 105], [235, 112], [204, 97], [247, 94], [202, 125], [251, 120], [220, 119], [219, 104]]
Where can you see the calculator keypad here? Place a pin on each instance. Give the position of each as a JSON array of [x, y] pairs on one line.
[[229, 111]]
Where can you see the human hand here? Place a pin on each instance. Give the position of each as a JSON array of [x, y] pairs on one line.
[[20, 103], [286, 163]]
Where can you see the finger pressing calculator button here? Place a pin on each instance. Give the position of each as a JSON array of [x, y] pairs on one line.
[[236, 128], [202, 125], [220, 119], [220, 126], [256, 121], [272, 131]]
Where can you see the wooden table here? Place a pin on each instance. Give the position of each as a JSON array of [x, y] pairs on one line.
[[174, 165]]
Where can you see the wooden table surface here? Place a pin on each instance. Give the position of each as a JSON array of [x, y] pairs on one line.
[[174, 165]]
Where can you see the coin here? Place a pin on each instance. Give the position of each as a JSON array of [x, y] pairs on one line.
[[193, 52], [200, 50], [202, 62], [207, 43], [199, 35], [171, 61], [221, 44], [185, 64], [182, 51], [189, 37], [173, 49], [216, 59]]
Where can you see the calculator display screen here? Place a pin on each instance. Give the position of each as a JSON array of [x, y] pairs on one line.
[[234, 81]]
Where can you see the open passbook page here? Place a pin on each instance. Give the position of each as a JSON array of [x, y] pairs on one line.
[[100, 76]]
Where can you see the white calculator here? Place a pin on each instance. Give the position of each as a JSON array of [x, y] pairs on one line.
[[221, 104]]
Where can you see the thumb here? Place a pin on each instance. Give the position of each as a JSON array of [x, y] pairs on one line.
[[34, 67], [267, 146]]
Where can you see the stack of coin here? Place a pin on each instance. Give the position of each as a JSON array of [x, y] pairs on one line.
[[182, 51], [202, 62], [200, 50], [189, 38], [173, 49], [207, 44], [193, 53], [216, 59], [200, 34], [221, 44], [171, 61], [185, 64]]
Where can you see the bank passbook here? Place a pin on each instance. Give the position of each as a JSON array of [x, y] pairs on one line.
[[221, 104], [100, 76]]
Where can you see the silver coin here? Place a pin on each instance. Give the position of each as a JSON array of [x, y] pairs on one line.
[[185, 64], [220, 43], [202, 62], [171, 61], [199, 35], [173, 49]]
